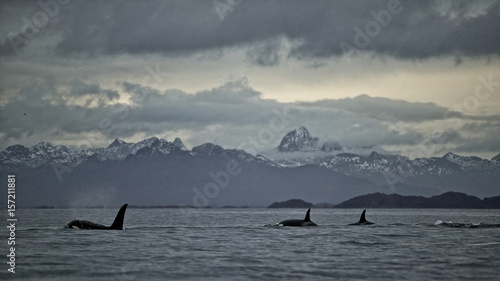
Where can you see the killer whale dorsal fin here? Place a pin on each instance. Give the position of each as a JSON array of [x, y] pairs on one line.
[[308, 218], [118, 222], [362, 218]]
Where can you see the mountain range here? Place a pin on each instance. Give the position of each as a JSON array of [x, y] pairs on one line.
[[158, 172]]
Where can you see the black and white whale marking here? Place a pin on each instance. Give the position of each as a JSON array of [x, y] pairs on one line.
[[362, 220], [117, 224], [305, 222]]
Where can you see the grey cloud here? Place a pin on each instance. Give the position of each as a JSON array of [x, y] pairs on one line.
[[233, 103], [421, 30], [478, 136], [79, 88], [387, 109], [479, 144], [93, 92], [469, 137], [417, 32], [48, 112], [366, 132], [155, 26], [265, 54], [111, 94], [482, 127]]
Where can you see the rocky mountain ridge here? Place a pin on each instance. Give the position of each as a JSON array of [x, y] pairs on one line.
[[46, 153]]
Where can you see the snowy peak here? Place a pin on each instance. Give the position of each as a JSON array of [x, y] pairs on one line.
[[470, 163], [401, 166], [166, 147], [208, 149], [298, 140], [41, 153], [496, 159], [374, 156], [120, 150], [352, 164], [15, 152], [178, 143], [345, 159], [117, 142], [450, 155]]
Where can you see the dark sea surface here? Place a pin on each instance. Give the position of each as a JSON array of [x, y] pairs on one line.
[[244, 244]]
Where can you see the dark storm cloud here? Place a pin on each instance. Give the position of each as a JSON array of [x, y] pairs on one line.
[[402, 29]]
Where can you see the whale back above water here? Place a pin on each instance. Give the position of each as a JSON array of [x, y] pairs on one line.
[[117, 223], [296, 222], [362, 220]]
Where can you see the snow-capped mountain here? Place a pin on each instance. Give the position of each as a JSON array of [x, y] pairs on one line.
[[472, 163], [42, 153], [46, 153], [337, 158], [208, 150], [156, 171], [118, 150], [449, 164], [298, 140]]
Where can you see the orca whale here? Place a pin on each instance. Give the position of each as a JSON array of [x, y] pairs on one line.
[[362, 220], [305, 222], [117, 223]]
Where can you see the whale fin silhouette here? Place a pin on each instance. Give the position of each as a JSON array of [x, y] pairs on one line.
[[305, 222], [362, 218], [118, 222], [308, 218]]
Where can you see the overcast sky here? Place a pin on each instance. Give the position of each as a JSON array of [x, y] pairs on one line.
[[419, 78]]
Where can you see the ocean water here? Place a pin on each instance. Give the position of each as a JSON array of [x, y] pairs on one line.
[[244, 244]]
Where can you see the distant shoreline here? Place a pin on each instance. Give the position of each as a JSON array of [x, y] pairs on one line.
[[448, 200]]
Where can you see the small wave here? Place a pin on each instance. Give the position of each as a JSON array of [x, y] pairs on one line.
[[148, 227], [365, 244], [464, 225], [397, 224], [486, 244], [40, 228]]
